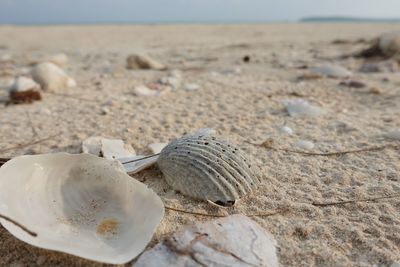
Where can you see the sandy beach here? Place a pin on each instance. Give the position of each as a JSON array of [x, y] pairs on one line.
[[244, 103]]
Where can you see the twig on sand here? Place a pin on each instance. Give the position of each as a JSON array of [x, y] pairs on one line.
[[19, 225], [266, 214], [326, 204], [267, 144], [29, 144], [34, 132]]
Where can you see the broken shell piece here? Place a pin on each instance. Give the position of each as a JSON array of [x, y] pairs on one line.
[[51, 77], [304, 144], [235, 241], [107, 148], [60, 60], [144, 91], [157, 147], [207, 168], [299, 107], [79, 204], [332, 71], [173, 82], [192, 87], [138, 61], [286, 130], [24, 90]]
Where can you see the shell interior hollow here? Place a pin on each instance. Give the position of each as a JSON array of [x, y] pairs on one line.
[[206, 168], [79, 204]]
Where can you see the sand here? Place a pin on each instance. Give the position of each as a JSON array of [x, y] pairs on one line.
[[245, 106]]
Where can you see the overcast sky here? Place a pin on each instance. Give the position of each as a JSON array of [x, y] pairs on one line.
[[94, 11]]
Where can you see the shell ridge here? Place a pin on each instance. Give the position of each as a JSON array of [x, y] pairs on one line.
[[227, 170], [227, 193], [240, 173]]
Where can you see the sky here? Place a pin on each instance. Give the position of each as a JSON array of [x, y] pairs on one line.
[[153, 11]]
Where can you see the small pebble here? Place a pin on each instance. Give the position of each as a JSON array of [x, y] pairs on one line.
[[304, 144], [286, 130], [105, 111]]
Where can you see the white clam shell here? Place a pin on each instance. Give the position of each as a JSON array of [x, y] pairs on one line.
[[333, 71], [234, 241], [51, 77], [79, 204], [301, 108]]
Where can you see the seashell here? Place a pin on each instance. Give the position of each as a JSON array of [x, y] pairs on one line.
[[304, 144], [286, 130], [332, 71], [24, 90], [206, 168], [60, 60], [299, 107], [235, 241], [157, 147], [389, 43], [107, 148], [140, 61], [192, 87], [79, 204], [393, 134], [173, 82], [142, 90], [51, 77]]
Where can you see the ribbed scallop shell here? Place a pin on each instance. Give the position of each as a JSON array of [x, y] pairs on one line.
[[206, 168]]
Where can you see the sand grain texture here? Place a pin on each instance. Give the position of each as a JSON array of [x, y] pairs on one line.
[[243, 106]]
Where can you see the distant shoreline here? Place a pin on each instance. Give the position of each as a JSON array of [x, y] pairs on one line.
[[311, 19]]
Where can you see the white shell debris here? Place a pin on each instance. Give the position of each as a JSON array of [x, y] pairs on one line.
[[286, 130], [300, 107], [156, 148], [394, 134], [141, 61], [304, 144], [173, 79], [136, 164], [235, 241], [51, 77], [108, 148], [330, 70], [389, 43], [142, 90], [192, 87], [79, 204], [60, 60], [23, 84]]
